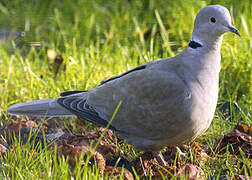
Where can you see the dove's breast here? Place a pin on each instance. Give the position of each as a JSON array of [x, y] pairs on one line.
[[203, 85], [203, 105]]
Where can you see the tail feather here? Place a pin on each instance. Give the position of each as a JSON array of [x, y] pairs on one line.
[[45, 107]]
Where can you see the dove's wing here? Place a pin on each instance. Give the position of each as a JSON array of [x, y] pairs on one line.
[[76, 102], [152, 100]]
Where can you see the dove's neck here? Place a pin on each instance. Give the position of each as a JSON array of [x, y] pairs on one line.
[[208, 41], [208, 52], [203, 64]]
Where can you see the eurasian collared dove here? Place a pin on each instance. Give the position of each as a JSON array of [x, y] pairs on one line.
[[163, 103]]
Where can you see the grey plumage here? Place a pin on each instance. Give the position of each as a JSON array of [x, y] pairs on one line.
[[44, 107], [165, 102]]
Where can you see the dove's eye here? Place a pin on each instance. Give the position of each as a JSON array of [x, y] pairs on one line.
[[212, 19]]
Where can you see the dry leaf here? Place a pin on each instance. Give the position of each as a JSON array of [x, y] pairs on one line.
[[3, 150], [115, 172], [190, 172], [18, 125], [244, 128], [241, 177], [73, 151], [237, 140]]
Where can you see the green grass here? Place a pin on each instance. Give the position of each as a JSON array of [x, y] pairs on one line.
[[100, 39]]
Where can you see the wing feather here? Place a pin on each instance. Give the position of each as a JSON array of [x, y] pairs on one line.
[[123, 74], [79, 106]]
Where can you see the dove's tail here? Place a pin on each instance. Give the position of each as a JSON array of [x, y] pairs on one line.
[[45, 107]]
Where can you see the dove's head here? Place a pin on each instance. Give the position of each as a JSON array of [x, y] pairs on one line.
[[213, 21]]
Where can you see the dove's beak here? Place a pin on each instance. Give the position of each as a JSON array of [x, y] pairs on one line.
[[233, 30]]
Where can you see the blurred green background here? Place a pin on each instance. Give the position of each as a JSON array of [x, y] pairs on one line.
[[114, 36]]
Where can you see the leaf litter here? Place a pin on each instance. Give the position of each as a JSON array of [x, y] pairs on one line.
[[105, 153]]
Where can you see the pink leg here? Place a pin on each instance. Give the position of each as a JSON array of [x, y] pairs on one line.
[[159, 158], [180, 153]]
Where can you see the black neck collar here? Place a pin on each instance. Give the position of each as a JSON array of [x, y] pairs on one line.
[[194, 44]]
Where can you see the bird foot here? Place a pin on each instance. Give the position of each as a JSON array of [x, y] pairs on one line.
[[176, 149], [160, 159]]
